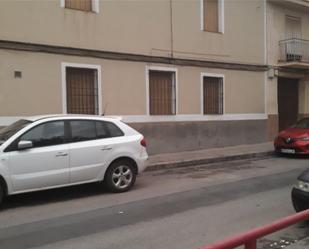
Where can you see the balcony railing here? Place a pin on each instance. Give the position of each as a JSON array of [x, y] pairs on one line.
[[292, 50]]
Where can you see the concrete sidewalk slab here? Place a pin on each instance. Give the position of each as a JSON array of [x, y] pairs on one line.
[[189, 158]]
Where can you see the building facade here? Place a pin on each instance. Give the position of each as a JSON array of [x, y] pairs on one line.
[[288, 57], [187, 74]]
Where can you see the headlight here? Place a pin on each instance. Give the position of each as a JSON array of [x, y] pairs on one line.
[[303, 139], [304, 186]]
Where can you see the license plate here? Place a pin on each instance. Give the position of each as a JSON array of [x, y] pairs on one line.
[[288, 151]]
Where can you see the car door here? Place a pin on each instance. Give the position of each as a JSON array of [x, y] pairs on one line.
[[91, 147], [44, 165]]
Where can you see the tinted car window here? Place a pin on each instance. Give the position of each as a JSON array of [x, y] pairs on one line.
[[113, 130], [102, 131], [107, 129], [10, 130], [83, 130], [51, 133]]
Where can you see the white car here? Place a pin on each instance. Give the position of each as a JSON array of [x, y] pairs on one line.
[[44, 152]]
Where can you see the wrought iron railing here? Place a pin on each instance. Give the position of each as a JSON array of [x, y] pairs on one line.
[[294, 50]]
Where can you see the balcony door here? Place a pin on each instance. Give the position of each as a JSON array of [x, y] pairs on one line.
[[293, 35], [293, 27]]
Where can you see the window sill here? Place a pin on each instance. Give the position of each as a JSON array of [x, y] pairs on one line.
[[85, 11], [214, 32]]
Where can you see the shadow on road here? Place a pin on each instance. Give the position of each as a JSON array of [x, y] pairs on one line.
[[54, 195], [291, 156], [59, 195]]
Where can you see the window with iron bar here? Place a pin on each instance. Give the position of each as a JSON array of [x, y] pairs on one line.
[[82, 91], [162, 93], [212, 95]]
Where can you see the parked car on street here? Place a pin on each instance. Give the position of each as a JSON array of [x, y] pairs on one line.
[[300, 192], [294, 140], [44, 152]]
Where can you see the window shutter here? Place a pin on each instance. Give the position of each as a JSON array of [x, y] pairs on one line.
[[78, 4], [211, 15]]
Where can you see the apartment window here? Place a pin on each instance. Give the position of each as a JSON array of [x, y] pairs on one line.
[[212, 15], [82, 90], [162, 93], [85, 5], [212, 95]]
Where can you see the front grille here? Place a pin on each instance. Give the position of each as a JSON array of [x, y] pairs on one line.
[[290, 141], [285, 140]]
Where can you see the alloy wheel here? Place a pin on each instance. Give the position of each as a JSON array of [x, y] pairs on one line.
[[122, 176]]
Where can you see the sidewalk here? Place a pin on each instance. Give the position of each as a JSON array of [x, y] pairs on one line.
[[190, 158]]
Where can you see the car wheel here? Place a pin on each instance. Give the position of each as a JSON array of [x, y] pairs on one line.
[[298, 206], [120, 176]]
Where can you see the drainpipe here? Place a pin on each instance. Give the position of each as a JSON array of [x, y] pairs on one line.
[[171, 29]]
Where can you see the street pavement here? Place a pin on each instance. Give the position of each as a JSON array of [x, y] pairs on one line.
[[172, 208]]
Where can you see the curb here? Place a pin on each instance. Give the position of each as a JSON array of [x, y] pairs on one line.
[[195, 162]]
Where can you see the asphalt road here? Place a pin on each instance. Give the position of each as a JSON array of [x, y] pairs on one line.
[[177, 208]]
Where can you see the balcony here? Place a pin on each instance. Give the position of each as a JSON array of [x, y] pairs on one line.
[[301, 5], [294, 53]]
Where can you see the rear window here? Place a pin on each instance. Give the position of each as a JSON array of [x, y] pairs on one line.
[[102, 131], [111, 129]]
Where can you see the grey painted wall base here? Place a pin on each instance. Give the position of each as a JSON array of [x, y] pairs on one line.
[[185, 136]]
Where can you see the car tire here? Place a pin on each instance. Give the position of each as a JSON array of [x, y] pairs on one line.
[[120, 176], [1, 193], [299, 207]]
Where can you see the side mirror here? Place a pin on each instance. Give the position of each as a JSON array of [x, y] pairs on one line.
[[24, 144]]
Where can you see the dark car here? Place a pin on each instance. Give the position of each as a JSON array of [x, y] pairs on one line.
[[294, 140], [300, 192]]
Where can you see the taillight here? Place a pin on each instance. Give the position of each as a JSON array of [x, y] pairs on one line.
[[143, 142]]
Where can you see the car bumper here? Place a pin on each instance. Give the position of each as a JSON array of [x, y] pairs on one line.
[[142, 163], [300, 199], [297, 147]]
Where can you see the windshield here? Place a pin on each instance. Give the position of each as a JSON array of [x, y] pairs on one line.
[[303, 124], [10, 130]]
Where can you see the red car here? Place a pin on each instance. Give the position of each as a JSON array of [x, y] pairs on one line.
[[294, 140]]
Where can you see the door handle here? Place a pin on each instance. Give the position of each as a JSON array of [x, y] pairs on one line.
[[61, 154], [106, 148]]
